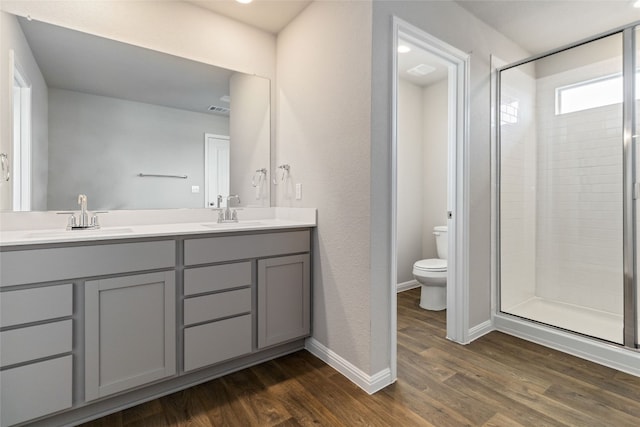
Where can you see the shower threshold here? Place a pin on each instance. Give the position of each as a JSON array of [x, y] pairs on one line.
[[587, 321]]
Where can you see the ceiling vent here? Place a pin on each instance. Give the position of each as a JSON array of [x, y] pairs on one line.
[[219, 110], [421, 70]]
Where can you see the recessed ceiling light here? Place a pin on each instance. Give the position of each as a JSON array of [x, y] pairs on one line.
[[244, 1], [636, 4], [405, 49]]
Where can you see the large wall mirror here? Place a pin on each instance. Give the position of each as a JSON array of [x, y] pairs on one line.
[[129, 127]]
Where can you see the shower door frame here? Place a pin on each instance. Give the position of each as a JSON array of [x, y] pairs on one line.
[[624, 357]]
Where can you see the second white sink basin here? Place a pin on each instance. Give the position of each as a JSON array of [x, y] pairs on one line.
[[239, 224], [89, 232]]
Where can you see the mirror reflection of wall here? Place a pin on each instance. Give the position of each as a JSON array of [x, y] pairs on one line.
[[105, 112]]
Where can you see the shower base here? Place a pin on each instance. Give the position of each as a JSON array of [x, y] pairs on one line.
[[586, 321]]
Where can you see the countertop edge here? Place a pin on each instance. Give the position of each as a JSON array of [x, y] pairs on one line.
[[7, 239]]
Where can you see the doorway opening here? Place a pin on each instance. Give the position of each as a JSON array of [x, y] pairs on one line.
[[216, 170], [429, 178]]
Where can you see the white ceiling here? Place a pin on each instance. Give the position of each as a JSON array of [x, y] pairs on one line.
[[543, 25], [536, 25], [268, 15]]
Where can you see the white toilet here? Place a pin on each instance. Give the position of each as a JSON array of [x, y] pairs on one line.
[[432, 274]]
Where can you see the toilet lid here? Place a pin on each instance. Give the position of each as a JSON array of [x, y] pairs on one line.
[[434, 264]]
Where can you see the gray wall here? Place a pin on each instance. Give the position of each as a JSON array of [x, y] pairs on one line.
[[98, 145], [324, 102], [435, 171], [411, 170], [11, 37]]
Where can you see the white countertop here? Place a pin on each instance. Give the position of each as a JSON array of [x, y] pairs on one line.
[[134, 230]]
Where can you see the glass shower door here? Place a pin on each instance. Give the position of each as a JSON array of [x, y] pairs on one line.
[[561, 189]]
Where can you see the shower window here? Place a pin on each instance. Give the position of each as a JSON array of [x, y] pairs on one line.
[[590, 94], [561, 190]]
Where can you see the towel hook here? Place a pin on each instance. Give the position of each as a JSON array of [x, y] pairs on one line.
[[4, 160], [261, 174], [284, 175]]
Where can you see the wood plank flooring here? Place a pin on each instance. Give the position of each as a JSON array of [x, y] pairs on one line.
[[497, 380]]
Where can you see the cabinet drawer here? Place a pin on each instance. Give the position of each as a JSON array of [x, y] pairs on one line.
[[216, 306], [34, 342], [35, 390], [44, 265], [32, 305], [216, 278], [214, 342], [229, 248]]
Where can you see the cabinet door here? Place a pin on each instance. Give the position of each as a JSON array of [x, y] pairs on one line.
[[283, 299], [129, 332]]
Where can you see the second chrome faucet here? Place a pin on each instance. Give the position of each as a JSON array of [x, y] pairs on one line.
[[227, 214], [82, 222]]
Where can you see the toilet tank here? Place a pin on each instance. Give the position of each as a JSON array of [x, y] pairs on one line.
[[441, 240]]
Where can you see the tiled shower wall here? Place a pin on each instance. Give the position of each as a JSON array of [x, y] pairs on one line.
[[579, 197], [517, 188]]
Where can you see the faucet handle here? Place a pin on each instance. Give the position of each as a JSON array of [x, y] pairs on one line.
[[94, 221], [71, 222]]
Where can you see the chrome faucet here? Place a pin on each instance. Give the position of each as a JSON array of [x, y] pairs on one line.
[[82, 223], [228, 214], [83, 218]]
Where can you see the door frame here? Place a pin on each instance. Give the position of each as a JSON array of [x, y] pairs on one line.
[[457, 186]]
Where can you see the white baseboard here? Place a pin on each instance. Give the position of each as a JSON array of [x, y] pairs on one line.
[[369, 383], [405, 286], [480, 330]]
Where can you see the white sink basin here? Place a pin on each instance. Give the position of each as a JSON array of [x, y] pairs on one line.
[[78, 233], [239, 224]]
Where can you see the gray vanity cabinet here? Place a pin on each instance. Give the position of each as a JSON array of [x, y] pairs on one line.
[[283, 299], [86, 327], [129, 332]]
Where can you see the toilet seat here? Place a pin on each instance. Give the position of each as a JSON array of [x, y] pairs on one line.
[[434, 264]]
